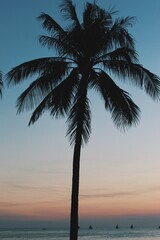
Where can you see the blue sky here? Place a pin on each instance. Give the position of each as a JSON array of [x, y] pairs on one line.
[[118, 170]]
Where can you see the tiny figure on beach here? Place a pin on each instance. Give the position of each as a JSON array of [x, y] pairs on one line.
[[159, 227], [90, 227], [131, 227], [117, 227]]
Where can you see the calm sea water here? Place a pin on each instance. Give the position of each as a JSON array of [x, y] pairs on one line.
[[84, 234]]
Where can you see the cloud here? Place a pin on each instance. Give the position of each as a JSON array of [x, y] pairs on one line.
[[122, 193], [43, 171], [18, 186], [108, 195], [7, 204], [10, 204]]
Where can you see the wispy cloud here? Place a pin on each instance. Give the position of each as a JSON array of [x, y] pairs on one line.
[[122, 193], [108, 195], [19, 186], [43, 171], [7, 204], [10, 204], [22, 186]]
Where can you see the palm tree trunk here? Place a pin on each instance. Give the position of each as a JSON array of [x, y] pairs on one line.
[[76, 160], [75, 189]]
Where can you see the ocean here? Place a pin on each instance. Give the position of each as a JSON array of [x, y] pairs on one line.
[[84, 234]]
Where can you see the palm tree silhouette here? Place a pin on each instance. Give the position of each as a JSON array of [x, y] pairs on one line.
[[90, 54]]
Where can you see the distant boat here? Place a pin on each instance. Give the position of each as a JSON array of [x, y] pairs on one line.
[[44, 229], [90, 227], [132, 226], [159, 227], [117, 227]]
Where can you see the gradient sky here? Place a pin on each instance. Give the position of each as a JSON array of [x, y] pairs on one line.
[[120, 178]]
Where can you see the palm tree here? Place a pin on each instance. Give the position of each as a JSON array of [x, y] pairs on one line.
[[89, 55], [1, 84]]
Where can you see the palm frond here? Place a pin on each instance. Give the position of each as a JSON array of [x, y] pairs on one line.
[[93, 78], [38, 66], [71, 42], [125, 22], [37, 90], [62, 99], [151, 83], [124, 70], [51, 42], [118, 35], [58, 100], [94, 14], [79, 120], [124, 111], [63, 47], [135, 74], [50, 24], [124, 54], [69, 12]]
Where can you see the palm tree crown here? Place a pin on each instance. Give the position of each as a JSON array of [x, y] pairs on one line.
[[90, 55]]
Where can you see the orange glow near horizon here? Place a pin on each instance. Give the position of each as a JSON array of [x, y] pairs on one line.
[[89, 208], [26, 201], [34, 213]]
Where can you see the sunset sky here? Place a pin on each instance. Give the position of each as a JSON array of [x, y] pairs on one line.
[[120, 172]]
